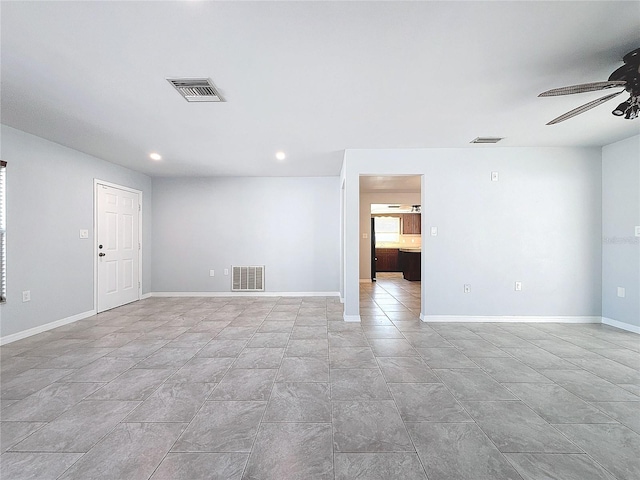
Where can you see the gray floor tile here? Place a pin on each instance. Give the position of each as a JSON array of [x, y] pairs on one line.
[[537, 358], [445, 358], [79, 428], [269, 340], [245, 384], [477, 348], [378, 466], [559, 347], [139, 348], [236, 333], [514, 427], [303, 369], [167, 357], [308, 332], [382, 332], [104, 369], [358, 384], [173, 402], [307, 348], [536, 466], [500, 339], [352, 357], [557, 405], [615, 447], [589, 387], [295, 451], [14, 432], [202, 370], [259, 358], [222, 427], [276, 327], [459, 451], [369, 426], [132, 451], [222, 348], [406, 370], [36, 466], [347, 338], [427, 402], [627, 413], [193, 340], [299, 402], [134, 384], [609, 369], [621, 355], [473, 384], [392, 347], [48, 403], [201, 466], [30, 381], [426, 339], [509, 370]]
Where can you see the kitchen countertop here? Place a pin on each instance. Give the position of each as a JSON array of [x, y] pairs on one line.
[[410, 250]]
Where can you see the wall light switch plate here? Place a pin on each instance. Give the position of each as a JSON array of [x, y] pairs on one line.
[[637, 230], [26, 296], [621, 292], [494, 176], [467, 288], [434, 231], [364, 235], [84, 233], [226, 271], [212, 273], [518, 286]]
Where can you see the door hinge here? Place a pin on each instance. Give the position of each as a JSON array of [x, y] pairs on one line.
[[139, 246], [139, 207], [138, 284]]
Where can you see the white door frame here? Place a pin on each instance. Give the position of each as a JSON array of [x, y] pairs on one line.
[[97, 182]]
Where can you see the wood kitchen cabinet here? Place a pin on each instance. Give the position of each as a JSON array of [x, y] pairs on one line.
[[411, 224], [387, 260]]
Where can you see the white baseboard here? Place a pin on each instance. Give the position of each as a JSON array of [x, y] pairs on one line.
[[146, 295], [508, 319], [244, 294], [624, 326], [351, 318], [43, 328]]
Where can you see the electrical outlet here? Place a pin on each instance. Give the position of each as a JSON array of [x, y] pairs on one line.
[[84, 233], [621, 292], [518, 286], [467, 288], [434, 231], [26, 296], [226, 271], [494, 176], [212, 273], [637, 230]]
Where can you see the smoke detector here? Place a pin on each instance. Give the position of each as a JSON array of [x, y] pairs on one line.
[[196, 89]]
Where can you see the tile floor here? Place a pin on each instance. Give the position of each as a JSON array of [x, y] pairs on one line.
[[282, 388]]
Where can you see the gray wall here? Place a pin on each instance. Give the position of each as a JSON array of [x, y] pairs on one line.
[[290, 225], [620, 214], [49, 199], [540, 224]]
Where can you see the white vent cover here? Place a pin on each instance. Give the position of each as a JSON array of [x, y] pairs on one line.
[[247, 279], [196, 89], [486, 139]]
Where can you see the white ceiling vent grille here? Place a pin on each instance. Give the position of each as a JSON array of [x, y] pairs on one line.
[[486, 139], [196, 89], [247, 279]]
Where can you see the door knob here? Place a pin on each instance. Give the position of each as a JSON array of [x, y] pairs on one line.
[[101, 254]]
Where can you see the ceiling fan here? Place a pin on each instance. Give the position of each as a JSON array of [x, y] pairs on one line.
[[627, 76]]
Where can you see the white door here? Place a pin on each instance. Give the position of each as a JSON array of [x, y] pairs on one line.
[[118, 246]]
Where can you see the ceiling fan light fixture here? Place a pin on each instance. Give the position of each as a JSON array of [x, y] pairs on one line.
[[621, 109]]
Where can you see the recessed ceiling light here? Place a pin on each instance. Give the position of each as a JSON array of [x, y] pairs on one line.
[[280, 155], [155, 156]]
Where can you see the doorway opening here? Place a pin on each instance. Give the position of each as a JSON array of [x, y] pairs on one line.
[[390, 248]]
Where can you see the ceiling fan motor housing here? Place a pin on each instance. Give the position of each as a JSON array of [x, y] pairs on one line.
[[629, 73]]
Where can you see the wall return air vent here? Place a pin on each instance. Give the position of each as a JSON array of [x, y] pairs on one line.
[[247, 279], [486, 139], [196, 89]]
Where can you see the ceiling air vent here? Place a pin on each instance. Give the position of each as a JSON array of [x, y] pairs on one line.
[[196, 89], [486, 140]]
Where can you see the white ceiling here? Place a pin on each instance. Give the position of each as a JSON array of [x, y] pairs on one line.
[[308, 78]]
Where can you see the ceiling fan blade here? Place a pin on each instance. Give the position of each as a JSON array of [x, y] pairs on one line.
[[583, 108], [585, 87]]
